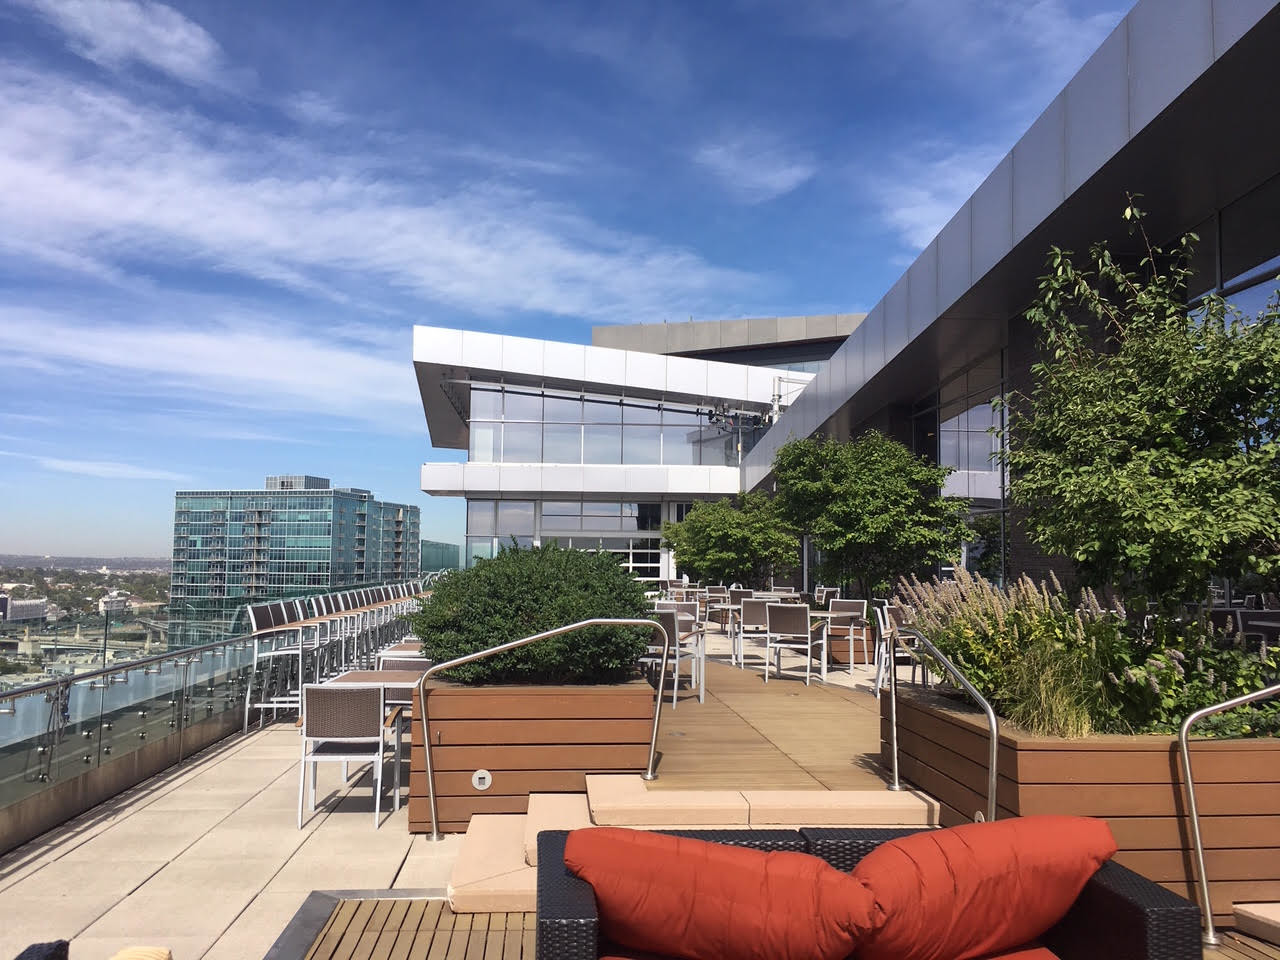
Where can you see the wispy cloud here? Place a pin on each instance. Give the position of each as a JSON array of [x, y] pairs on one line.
[[245, 362], [121, 33], [1041, 41], [97, 180], [1015, 53], [642, 44], [920, 191], [102, 469], [754, 166]]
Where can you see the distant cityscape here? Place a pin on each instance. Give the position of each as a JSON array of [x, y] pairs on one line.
[[294, 537]]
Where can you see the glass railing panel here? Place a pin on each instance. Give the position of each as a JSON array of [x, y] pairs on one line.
[[47, 734], [139, 705]]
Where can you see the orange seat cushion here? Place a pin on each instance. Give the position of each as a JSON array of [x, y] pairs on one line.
[[978, 889], [688, 898]]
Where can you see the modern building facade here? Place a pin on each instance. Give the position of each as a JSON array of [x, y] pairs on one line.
[[1170, 107], [440, 556], [595, 446], [296, 536]]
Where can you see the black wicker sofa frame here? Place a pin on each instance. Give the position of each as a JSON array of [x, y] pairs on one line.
[[1120, 915]]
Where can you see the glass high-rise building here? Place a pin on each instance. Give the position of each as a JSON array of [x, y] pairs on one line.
[[295, 537]]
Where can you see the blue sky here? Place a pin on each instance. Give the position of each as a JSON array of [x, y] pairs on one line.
[[220, 221]]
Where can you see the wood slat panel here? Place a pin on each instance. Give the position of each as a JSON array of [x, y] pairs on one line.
[[610, 756], [1146, 766], [456, 783], [1133, 782], [1174, 833], [1223, 865], [627, 701], [958, 767], [534, 731], [1147, 800]]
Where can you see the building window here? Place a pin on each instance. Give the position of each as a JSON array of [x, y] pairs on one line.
[[515, 518]]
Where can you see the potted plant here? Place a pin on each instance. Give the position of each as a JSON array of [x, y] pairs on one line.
[[540, 717]]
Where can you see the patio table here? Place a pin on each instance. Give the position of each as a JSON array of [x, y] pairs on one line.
[[735, 639]]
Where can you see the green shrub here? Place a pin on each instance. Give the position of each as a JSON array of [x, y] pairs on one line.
[[521, 592], [1058, 669]]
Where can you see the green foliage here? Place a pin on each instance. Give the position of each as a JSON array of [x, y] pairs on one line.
[[521, 592], [1059, 669], [1150, 458], [873, 508], [718, 542]]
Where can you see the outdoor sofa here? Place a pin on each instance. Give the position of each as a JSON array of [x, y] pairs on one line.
[[1119, 915]]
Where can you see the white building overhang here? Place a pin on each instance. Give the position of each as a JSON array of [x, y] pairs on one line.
[[572, 481], [446, 361]]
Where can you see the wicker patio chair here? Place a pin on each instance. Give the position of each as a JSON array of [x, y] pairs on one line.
[[789, 629], [1119, 915], [344, 723]]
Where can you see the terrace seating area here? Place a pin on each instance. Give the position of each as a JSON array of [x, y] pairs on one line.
[[735, 754], [311, 639]]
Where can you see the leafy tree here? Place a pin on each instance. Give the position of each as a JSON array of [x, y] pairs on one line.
[[807, 474], [723, 543], [874, 508], [1147, 450]]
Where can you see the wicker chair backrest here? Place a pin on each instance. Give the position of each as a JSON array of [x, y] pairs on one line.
[[341, 712], [755, 613], [788, 619]]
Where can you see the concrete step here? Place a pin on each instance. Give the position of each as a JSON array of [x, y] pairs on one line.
[[840, 808], [626, 801], [1259, 920], [490, 874], [552, 811]]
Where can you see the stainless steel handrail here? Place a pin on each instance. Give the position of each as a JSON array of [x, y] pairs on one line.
[[650, 771], [1210, 934], [891, 643]]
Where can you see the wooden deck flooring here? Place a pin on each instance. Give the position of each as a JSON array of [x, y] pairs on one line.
[[1236, 946], [421, 930], [782, 735], [429, 930]]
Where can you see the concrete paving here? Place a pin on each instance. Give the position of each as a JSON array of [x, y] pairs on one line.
[[208, 860]]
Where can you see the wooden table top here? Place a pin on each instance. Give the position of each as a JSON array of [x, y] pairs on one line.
[[387, 678]]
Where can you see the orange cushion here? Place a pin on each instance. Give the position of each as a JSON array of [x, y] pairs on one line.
[[980, 888], [707, 901], [1024, 953]]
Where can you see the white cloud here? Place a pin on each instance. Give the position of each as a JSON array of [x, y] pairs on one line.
[[103, 469], [1041, 41], [246, 362], [117, 33], [755, 167], [93, 179], [921, 191]]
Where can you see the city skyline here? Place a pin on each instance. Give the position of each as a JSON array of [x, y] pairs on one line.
[[225, 221]]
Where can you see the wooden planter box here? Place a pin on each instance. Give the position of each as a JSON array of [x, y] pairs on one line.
[[531, 739], [841, 648], [1134, 783]]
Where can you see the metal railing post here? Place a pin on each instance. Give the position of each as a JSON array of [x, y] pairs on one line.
[[650, 771], [1211, 938], [993, 750], [889, 644]]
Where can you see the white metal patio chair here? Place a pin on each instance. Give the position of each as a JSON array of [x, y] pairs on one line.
[[789, 629], [345, 723]]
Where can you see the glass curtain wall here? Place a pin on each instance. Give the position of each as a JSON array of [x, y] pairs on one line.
[[954, 428], [511, 425], [632, 531]]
